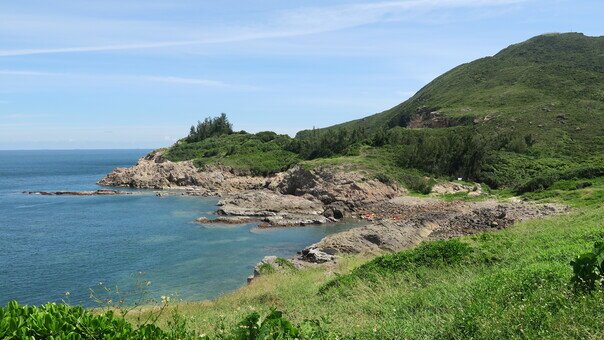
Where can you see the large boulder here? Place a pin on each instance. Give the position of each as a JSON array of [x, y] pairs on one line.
[[333, 184]]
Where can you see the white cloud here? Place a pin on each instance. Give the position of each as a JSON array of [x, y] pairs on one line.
[[285, 24], [152, 78]]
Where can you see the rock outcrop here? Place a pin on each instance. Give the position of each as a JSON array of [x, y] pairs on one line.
[[337, 186], [273, 209], [102, 192], [156, 172], [303, 197], [455, 188], [405, 222], [271, 264]]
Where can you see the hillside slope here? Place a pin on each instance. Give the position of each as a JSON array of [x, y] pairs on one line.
[[535, 107], [535, 79], [532, 112]]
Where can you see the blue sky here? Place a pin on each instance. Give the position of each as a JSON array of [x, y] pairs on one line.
[[138, 73]]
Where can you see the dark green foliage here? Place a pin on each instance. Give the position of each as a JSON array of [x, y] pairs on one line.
[[544, 181], [285, 263], [261, 154], [419, 184], [276, 326], [427, 254], [457, 152], [588, 269], [328, 144], [210, 127], [583, 185], [383, 178], [62, 321]]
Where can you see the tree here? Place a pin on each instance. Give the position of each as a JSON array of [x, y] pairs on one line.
[[210, 127]]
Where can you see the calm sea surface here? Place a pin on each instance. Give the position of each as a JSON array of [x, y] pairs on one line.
[[52, 245]]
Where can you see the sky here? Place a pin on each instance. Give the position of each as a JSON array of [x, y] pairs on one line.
[[136, 73]]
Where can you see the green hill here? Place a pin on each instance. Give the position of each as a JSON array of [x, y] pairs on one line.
[[532, 112], [536, 79]]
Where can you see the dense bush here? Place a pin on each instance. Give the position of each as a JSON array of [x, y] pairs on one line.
[[419, 184], [263, 153], [427, 254], [544, 181], [328, 143], [588, 269], [61, 321], [458, 151], [275, 326]]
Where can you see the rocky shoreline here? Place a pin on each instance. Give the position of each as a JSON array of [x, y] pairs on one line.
[[296, 197], [101, 192], [300, 197]]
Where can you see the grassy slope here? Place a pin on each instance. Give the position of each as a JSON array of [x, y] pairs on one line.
[[549, 87], [531, 81], [513, 285]]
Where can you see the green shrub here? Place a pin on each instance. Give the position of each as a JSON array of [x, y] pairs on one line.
[[419, 184], [266, 268], [588, 269], [275, 326], [66, 322], [427, 254], [60, 321], [545, 181], [583, 185], [285, 263]]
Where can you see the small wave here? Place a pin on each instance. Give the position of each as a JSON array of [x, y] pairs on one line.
[[33, 205]]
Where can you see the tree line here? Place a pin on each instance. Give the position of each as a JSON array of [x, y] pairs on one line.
[[210, 127], [458, 151]]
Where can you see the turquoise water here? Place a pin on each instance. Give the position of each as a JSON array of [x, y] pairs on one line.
[[50, 245]]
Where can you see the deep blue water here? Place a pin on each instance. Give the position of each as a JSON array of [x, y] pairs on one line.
[[50, 245]]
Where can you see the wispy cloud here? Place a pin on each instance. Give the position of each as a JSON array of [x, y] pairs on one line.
[[28, 73], [145, 78], [290, 23]]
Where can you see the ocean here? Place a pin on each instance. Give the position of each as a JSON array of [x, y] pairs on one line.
[[58, 248]]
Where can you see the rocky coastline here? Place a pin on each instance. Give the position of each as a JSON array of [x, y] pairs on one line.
[[101, 192], [300, 197]]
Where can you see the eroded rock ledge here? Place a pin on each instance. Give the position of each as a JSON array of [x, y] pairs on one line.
[[156, 172], [295, 197], [406, 221], [102, 192]]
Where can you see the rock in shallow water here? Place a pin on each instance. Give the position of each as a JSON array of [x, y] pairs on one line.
[[102, 192]]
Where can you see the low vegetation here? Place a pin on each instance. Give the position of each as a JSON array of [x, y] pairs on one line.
[[59, 321], [262, 153]]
